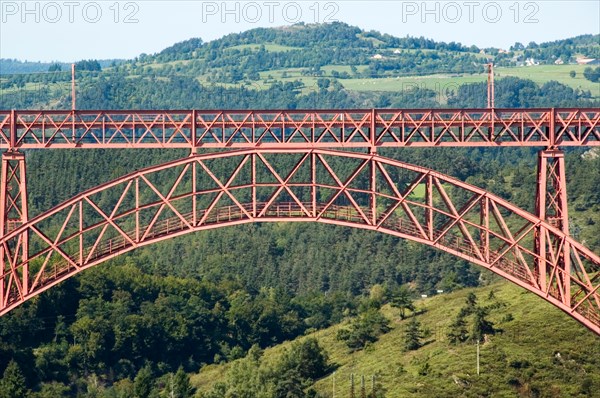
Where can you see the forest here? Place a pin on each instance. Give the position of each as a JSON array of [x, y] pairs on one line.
[[140, 324]]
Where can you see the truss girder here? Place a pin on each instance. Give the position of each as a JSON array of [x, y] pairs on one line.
[[368, 128]]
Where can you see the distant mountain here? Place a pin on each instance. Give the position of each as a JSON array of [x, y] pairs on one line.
[[10, 66], [581, 41], [335, 40], [334, 35], [14, 66], [370, 54], [307, 49], [568, 50], [307, 65]]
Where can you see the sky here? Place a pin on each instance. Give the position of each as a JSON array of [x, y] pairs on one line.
[[71, 30]]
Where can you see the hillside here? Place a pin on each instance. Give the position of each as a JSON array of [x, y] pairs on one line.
[[539, 353], [308, 57], [13, 66]]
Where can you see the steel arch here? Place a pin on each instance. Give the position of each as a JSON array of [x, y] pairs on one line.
[[353, 189]]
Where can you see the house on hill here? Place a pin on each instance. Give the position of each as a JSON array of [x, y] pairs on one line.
[[531, 62]]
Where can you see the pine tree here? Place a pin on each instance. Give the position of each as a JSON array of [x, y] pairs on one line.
[[458, 331], [12, 384], [181, 384], [400, 298], [471, 302], [413, 336], [481, 325], [142, 384], [289, 385]]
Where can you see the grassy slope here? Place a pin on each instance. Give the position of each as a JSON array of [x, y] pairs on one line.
[[435, 82], [543, 73], [440, 83], [536, 334], [539, 74]]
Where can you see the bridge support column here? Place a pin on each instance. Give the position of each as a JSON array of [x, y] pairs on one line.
[[554, 263], [13, 213]]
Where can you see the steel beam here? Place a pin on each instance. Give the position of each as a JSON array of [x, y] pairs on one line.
[[327, 128], [13, 214]]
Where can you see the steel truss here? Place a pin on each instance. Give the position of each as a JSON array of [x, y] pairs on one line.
[[265, 185], [370, 128]]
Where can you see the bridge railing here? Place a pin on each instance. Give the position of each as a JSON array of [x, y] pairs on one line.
[[288, 210]]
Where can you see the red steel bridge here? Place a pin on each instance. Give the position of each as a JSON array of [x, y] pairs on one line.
[[300, 165]]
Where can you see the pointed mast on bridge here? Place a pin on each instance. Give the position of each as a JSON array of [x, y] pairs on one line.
[[490, 85], [72, 87]]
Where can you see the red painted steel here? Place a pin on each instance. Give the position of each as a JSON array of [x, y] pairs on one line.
[[73, 97], [551, 205], [554, 266], [13, 211], [490, 86], [371, 128], [362, 190]]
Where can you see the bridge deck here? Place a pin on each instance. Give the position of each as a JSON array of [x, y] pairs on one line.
[[349, 128]]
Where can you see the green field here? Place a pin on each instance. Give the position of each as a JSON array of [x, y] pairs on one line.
[[439, 82], [342, 68], [61, 87], [544, 73]]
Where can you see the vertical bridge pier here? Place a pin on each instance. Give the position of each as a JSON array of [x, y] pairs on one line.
[[13, 214], [554, 262]]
